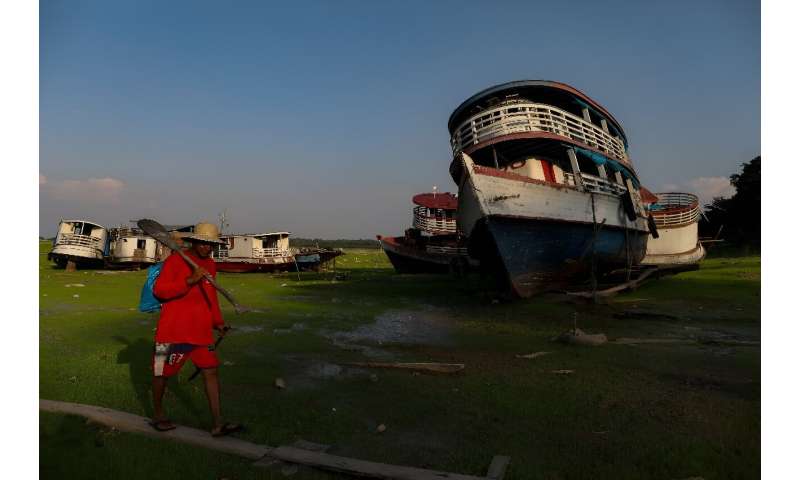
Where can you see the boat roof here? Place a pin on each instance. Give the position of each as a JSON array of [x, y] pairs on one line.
[[523, 86], [83, 221], [445, 200], [227, 235], [648, 196], [179, 228]]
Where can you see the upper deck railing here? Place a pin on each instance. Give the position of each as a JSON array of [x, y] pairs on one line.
[[270, 252], [520, 117], [446, 250], [596, 184], [433, 224], [77, 240], [123, 232], [675, 209]]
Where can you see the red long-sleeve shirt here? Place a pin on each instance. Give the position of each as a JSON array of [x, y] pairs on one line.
[[188, 314]]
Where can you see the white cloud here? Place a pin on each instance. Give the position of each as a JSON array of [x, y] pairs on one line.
[[105, 189], [706, 188]]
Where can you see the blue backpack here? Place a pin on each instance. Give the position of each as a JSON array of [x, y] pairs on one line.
[[148, 302]]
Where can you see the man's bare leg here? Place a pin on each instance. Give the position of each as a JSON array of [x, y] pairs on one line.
[[159, 387], [212, 392]]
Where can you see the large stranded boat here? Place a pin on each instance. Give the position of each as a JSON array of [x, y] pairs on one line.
[[433, 243], [547, 191], [79, 243]]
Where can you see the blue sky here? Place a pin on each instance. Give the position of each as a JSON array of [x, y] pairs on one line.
[[324, 118]]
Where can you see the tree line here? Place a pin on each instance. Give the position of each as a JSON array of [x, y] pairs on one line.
[[737, 219]]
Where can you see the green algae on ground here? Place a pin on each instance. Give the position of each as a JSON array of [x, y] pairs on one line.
[[660, 411]]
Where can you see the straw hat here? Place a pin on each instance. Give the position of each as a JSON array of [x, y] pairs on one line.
[[204, 232]]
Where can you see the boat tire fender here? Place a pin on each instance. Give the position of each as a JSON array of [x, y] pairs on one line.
[[651, 225]]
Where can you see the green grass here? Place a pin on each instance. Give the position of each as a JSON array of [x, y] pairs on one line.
[[657, 411]]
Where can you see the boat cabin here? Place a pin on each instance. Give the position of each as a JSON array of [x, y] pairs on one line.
[[435, 213], [546, 132]]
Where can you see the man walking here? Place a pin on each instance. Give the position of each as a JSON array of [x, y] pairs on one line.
[[189, 314]]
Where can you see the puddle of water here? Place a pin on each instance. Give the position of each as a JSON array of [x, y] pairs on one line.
[[422, 327], [250, 328], [307, 373]]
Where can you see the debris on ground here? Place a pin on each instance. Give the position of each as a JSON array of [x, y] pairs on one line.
[[289, 470], [76, 296], [416, 367], [562, 372], [638, 341], [279, 383], [533, 355], [728, 342], [74, 285], [381, 428], [576, 336]]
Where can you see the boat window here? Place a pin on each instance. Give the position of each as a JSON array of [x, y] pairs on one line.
[[141, 243]]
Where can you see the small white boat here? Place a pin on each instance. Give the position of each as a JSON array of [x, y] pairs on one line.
[[254, 252], [132, 248]]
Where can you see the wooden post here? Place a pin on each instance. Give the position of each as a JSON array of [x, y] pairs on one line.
[[494, 154], [586, 115], [71, 266], [604, 125], [576, 170], [618, 176], [602, 170]]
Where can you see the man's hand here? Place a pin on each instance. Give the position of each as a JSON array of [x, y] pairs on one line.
[[222, 330], [198, 274]]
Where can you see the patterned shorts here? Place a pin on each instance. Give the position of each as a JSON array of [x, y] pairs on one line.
[[168, 358]]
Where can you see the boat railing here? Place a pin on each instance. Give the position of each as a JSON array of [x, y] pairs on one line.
[[78, 240], [596, 184], [123, 232], [674, 209], [270, 252], [431, 223], [446, 250], [520, 117]]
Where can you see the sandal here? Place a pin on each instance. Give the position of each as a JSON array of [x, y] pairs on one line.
[[226, 429], [164, 425]]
